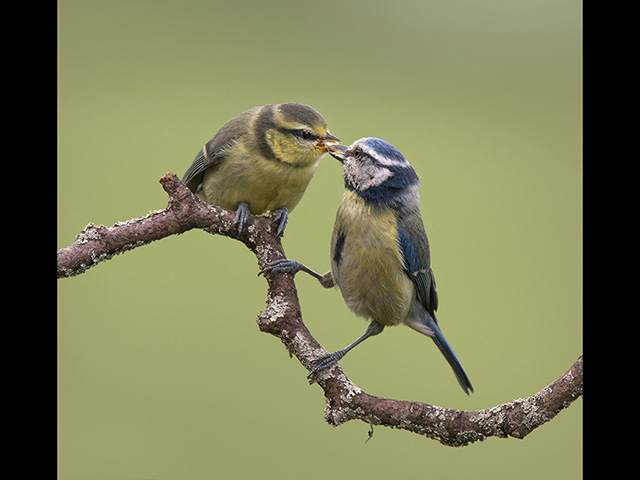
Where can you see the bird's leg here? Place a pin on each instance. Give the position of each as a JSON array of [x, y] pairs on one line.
[[242, 212], [284, 265], [329, 359], [281, 214]]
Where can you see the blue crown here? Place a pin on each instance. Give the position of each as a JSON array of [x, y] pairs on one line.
[[383, 148]]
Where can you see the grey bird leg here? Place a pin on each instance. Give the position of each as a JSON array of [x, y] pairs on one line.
[[285, 265], [329, 359], [242, 213]]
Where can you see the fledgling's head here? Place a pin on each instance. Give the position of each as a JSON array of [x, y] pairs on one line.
[[292, 133], [377, 172]]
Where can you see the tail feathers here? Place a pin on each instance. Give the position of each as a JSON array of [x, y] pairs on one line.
[[450, 355]]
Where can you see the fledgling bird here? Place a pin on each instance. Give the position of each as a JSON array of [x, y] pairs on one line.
[[261, 160], [380, 257]]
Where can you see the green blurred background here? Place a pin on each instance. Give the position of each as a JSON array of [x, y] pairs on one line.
[[163, 373]]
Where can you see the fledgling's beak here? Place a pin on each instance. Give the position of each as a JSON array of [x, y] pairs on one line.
[[337, 151], [331, 138], [325, 142]]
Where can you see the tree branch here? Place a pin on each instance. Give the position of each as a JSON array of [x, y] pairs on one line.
[[282, 318]]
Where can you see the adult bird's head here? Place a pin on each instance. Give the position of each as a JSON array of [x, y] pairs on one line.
[[376, 171]]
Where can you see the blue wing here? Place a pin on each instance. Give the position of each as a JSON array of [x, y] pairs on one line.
[[413, 243], [414, 246]]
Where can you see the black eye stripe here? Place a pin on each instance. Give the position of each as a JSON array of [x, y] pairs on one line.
[[305, 134], [300, 133], [358, 153]]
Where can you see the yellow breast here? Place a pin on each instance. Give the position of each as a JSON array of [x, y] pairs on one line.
[[369, 270], [263, 184]]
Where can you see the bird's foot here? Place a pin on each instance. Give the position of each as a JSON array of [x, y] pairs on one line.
[[242, 213], [284, 265], [281, 214], [326, 361]]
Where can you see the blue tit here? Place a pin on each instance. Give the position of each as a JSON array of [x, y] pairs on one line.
[[380, 258], [262, 160]]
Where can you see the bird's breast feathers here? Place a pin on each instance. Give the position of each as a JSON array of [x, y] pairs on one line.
[[262, 183], [367, 264]]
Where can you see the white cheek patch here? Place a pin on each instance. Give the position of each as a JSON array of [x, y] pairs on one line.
[[363, 176]]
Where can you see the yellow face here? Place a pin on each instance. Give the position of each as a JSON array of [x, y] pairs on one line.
[[299, 135]]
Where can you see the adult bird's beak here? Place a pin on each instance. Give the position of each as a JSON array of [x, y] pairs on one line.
[[337, 151], [325, 142]]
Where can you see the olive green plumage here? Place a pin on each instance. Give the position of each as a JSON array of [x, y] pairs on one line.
[[261, 161]]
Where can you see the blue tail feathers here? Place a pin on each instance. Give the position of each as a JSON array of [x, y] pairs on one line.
[[449, 354]]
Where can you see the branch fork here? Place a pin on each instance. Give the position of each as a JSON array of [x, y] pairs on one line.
[[282, 318]]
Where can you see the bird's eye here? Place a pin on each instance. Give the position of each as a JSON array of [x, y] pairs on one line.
[[304, 134], [357, 152]]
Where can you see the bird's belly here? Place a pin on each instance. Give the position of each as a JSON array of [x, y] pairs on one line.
[[263, 187], [370, 271]]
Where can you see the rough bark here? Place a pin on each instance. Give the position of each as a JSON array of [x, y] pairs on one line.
[[282, 318]]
